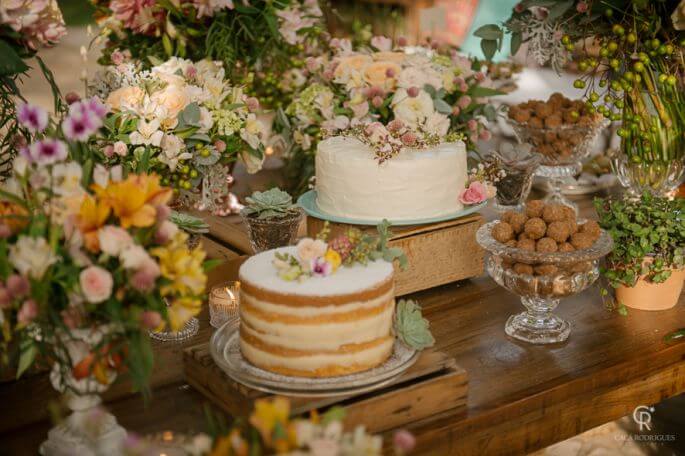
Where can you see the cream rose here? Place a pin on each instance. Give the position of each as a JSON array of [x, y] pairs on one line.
[[96, 284], [395, 57], [114, 240], [349, 68], [376, 74], [131, 96], [413, 111], [309, 249], [173, 98]]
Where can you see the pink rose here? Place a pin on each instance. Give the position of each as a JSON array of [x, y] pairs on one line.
[[403, 441], [220, 146], [165, 231], [28, 312], [163, 212], [120, 148], [96, 284], [472, 124], [108, 150], [117, 57], [151, 319], [143, 281], [476, 193], [464, 101], [456, 110], [18, 286], [582, 7], [114, 240]]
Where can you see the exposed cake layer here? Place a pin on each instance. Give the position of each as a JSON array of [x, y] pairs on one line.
[[338, 330], [415, 184]]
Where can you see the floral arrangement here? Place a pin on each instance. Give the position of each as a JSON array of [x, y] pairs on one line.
[[634, 74], [270, 430], [89, 251], [390, 96], [320, 257], [25, 26], [257, 41], [184, 121], [480, 185]]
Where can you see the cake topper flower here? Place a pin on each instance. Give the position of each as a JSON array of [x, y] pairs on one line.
[[481, 184]]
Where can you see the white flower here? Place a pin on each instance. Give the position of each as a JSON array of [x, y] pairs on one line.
[[32, 256], [100, 175], [148, 133], [67, 179], [252, 162], [172, 66], [437, 124], [134, 257], [172, 147], [382, 43], [206, 120], [20, 165], [413, 111], [419, 77], [337, 123], [253, 132], [114, 240]]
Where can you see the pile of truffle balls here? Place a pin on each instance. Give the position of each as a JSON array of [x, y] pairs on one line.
[[545, 228]]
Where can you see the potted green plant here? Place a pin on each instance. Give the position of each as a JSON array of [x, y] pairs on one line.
[[647, 266], [272, 219]]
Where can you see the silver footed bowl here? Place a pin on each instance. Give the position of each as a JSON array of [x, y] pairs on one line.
[[541, 280]]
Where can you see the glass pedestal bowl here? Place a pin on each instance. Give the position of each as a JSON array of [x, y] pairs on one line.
[[562, 148], [541, 280]]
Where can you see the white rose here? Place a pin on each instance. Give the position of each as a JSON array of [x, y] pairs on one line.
[[437, 124], [134, 257], [413, 111], [114, 240], [32, 256]]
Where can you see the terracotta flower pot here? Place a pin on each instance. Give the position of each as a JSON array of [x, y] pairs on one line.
[[647, 295]]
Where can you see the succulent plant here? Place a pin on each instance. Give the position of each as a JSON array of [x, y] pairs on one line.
[[189, 223], [410, 326], [517, 156], [274, 203]]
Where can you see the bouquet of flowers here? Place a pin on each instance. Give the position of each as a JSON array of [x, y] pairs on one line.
[[257, 41], [630, 54], [89, 261], [390, 96], [25, 25], [184, 121]]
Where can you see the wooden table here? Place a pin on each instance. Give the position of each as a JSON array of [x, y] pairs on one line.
[[521, 397]]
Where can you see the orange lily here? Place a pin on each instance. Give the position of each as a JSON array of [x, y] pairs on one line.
[[133, 200], [91, 217]]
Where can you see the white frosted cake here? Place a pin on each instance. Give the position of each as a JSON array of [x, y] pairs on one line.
[[415, 184], [319, 327]]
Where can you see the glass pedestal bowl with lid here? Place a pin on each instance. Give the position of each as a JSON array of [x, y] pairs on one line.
[[541, 282], [562, 148]]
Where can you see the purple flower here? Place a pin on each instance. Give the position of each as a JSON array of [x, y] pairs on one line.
[[95, 106], [47, 151], [34, 118], [320, 267]]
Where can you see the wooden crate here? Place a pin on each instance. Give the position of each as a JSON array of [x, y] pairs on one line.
[[433, 385], [438, 253]]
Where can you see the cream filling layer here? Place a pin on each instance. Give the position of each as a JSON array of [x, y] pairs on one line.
[[372, 356], [320, 337], [317, 311]]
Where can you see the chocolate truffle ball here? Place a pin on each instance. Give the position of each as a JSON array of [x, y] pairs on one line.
[[506, 217], [546, 245], [522, 268], [517, 221], [572, 226], [590, 228], [553, 213], [569, 213], [534, 208], [546, 269], [535, 228], [581, 241], [511, 243], [566, 247], [526, 244], [559, 231], [503, 232]]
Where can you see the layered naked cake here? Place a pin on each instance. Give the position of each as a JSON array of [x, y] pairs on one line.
[[320, 327], [414, 184]]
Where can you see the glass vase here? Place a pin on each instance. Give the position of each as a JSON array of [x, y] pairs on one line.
[[514, 188], [274, 232], [660, 178]]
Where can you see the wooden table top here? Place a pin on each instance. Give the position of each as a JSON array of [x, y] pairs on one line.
[[521, 397]]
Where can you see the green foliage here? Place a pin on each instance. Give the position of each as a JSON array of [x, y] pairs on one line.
[[410, 326], [650, 228], [189, 223], [274, 203]]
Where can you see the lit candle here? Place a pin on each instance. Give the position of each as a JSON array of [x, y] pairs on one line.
[[223, 303]]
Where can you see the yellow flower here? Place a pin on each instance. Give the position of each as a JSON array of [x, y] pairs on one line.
[[267, 414], [183, 309], [181, 266], [333, 258], [134, 199], [91, 217]]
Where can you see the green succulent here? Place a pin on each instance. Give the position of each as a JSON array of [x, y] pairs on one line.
[[410, 326], [274, 203], [189, 223]]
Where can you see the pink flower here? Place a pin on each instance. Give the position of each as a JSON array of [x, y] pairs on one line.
[[408, 139], [480, 77], [163, 212], [120, 148], [144, 279], [382, 43], [34, 118], [18, 286], [476, 193], [39, 22], [395, 125], [5, 231], [117, 57], [191, 72], [582, 7], [47, 151], [28, 312], [137, 15], [210, 7], [403, 441], [84, 119], [485, 135], [464, 101], [165, 231], [456, 110], [472, 124], [413, 92], [402, 41], [96, 284], [5, 298], [108, 150], [72, 97], [92, 104], [519, 8], [320, 267], [114, 240], [377, 102], [151, 319], [220, 146], [252, 104]]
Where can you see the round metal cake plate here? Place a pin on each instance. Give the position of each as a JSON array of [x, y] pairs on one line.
[[542, 184], [225, 350], [308, 202]]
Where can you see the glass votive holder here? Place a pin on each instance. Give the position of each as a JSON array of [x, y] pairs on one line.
[[224, 300]]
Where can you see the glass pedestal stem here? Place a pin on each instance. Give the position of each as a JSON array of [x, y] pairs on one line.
[[538, 325]]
